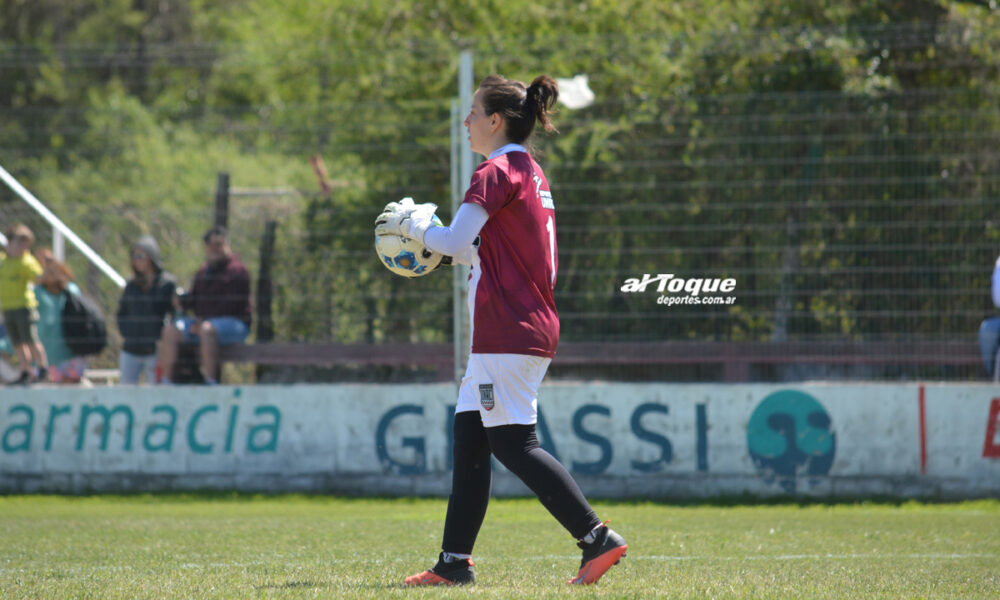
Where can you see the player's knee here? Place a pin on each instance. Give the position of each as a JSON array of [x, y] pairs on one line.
[[206, 329]]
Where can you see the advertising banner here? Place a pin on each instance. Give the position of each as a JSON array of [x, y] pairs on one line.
[[618, 439]]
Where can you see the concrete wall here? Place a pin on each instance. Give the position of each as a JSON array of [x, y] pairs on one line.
[[656, 440]]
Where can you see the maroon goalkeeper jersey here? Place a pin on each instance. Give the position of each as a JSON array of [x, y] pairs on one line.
[[512, 277]]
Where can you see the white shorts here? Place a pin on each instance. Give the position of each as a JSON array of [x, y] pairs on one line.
[[503, 388]]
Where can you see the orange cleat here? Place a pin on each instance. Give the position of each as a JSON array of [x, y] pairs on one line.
[[605, 552], [459, 572]]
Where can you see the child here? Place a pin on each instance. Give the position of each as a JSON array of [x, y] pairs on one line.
[[18, 272]]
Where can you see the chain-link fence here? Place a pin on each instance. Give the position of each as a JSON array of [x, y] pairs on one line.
[[845, 206]]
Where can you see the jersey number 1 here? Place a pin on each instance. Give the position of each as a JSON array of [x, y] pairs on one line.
[[550, 226]]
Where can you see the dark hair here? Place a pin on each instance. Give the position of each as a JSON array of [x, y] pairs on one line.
[[217, 230], [520, 106]]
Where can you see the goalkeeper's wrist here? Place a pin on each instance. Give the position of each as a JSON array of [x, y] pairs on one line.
[[418, 229]]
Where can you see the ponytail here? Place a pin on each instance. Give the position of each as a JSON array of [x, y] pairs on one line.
[[541, 98], [520, 106]]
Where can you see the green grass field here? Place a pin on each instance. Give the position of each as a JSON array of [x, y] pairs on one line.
[[318, 547]]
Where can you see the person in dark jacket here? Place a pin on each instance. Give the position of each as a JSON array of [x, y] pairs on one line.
[[219, 299], [145, 304]]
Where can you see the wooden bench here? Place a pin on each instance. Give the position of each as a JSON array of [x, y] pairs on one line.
[[440, 356], [736, 358]]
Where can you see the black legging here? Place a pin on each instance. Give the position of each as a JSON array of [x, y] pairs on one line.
[[517, 448]]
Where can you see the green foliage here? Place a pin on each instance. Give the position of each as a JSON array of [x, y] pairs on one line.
[[778, 143]]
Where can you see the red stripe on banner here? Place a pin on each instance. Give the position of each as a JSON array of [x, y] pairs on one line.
[[991, 449], [923, 432]]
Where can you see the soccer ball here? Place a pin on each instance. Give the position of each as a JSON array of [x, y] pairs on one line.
[[407, 257]]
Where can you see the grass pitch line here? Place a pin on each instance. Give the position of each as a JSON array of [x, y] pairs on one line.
[[789, 557]]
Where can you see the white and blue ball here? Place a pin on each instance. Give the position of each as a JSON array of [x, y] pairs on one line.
[[406, 257]]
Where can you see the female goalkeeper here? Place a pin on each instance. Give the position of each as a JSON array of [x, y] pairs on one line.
[[505, 230]]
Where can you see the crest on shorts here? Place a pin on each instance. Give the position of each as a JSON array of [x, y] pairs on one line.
[[486, 396]]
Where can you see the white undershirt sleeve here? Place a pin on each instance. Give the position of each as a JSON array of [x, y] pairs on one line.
[[456, 239]]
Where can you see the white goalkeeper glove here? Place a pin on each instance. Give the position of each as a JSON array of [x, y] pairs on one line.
[[406, 219]]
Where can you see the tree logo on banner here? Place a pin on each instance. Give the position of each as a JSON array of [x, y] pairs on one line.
[[790, 437]]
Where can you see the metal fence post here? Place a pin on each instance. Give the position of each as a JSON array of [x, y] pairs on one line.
[[461, 175], [222, 201]]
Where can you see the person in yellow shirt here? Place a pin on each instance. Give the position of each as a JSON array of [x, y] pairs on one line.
[[18, 272]]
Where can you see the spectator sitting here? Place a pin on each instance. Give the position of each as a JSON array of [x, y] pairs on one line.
[[989, 330], [147, 300], [219, 298], [50, 290], [18, 272]]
